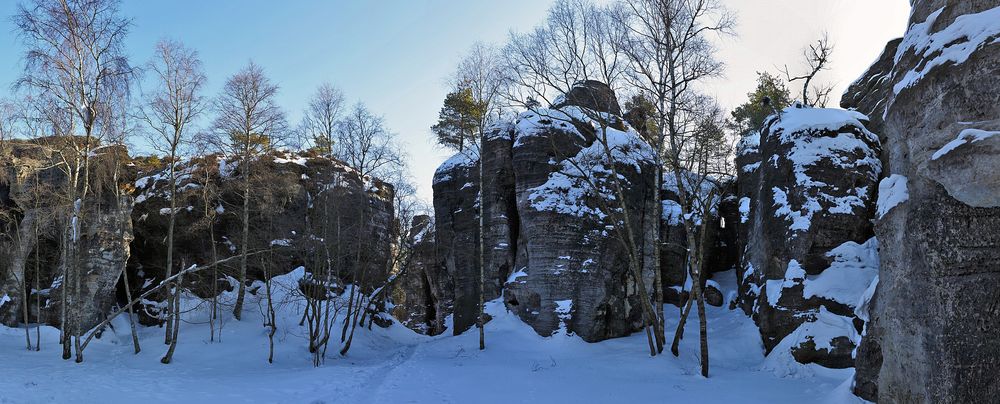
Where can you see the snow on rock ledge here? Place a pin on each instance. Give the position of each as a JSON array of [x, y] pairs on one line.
[[807, 191]]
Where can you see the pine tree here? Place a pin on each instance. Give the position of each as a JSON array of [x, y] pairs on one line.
[[750, 115], [459, 119]]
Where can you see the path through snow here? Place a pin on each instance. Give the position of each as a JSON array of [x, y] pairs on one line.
[[395, 365]]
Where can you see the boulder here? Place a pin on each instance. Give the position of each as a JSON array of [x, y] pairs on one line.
[[804, 203], [932, 335], [713, 296], [591, 94], [500, 214]]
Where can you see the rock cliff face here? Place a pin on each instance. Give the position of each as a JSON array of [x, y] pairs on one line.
[[39, 218], [303, 208], [572, 266], [422, 298], [553, 244], [722, 238], [934, 314], [807, 186], [456, 234]]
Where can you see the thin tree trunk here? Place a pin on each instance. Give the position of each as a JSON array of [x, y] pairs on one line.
[[131, 314], [238, 309], [38, 286], [657, 244], [364, 272], [175, 318], [271, 317], [632, 246], [702, 321], [350, 307], [481, 321], [20, 265], [128, 288], [215, 270], [77, 326], [168, 334], [703, 329], [350, 337], [679, 334], [215, 284], [63, 312]]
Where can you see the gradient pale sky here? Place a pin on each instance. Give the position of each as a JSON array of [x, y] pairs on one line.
[[394, 54]]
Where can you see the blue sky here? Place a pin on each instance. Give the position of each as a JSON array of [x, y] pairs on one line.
[[394, 55]]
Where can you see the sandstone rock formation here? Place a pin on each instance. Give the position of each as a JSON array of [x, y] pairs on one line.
[[304, 208], [456, 234], [551, 239], [807, 186], [571, 268], [934, 314], [422, 298], [721, 242], [39, 218]]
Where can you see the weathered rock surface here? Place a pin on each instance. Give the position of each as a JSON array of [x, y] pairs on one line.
[[456, 234], [551, 244], [422, 298], [304, 208], [934, 316], [721, 240], [572, 268], [807, 188], [33, 194]]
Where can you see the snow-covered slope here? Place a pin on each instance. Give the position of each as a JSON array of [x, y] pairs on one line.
[[396, 365]]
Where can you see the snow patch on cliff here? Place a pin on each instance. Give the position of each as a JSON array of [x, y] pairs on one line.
[[952, 45], [892, 191], [965, 136]]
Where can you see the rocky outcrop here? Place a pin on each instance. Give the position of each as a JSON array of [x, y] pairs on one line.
[[88, 235], [422, 297], [456, 234], [721, 240], [552, 245], [304, 208], [572, 267], [807, 188], [590, 94], [934, 314]]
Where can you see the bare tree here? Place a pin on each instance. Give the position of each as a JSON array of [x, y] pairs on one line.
[[480, 72], [117, 134], [169, 111], [10, 116], [669, 54], [76, 56], [366, 144], [247, 125], [321, 117], [817, 58], [368, 147]]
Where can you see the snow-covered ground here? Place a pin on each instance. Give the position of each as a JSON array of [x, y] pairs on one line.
[[395, 365]]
